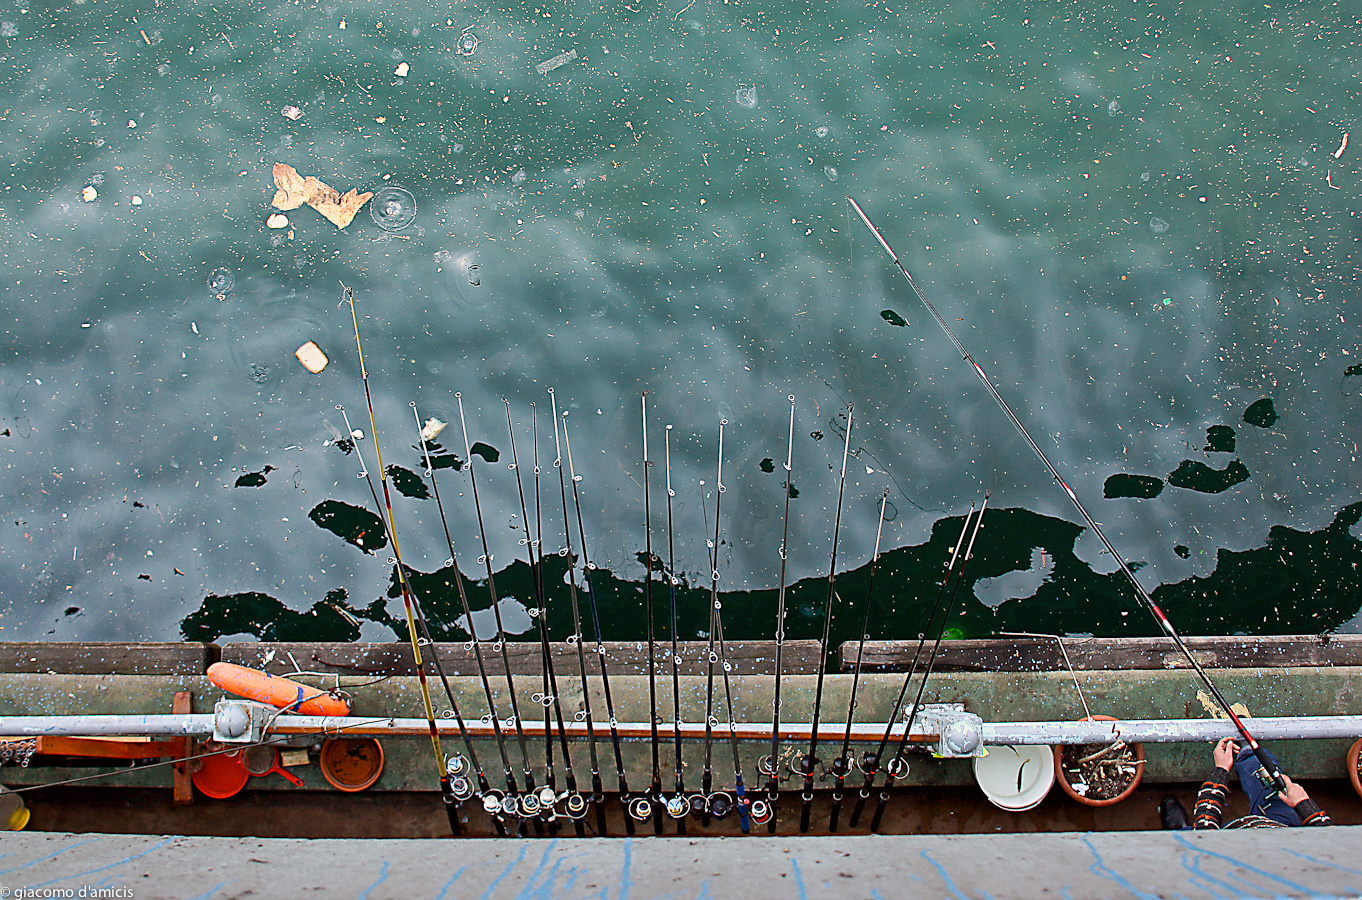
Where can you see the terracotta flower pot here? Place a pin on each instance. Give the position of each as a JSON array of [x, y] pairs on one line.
[[1062, 775]]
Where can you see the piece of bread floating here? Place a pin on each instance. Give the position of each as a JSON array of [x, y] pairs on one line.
[[295, 190]]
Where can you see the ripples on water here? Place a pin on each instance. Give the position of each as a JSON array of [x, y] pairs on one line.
[[617, 223]]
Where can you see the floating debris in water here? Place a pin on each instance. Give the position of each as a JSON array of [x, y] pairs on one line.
[[830, 172], [254, 479], [278, 220], [821, 131], [561, 59], [468, 43], [393, 208], [747, 97], [402, 70], [295, 190], [89, 193], [1352, 381], [1157, 225], [1114, 108], [767, 465], [312, 357], [431, 430], [220, 282], [893, 318], [136, 200], [291, 112]]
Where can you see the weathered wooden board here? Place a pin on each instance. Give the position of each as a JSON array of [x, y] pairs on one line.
[[105, 658], [622, 658], [1031, 654]]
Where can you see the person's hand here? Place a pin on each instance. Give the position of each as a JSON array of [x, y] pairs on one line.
[[1294, 793], [1225, 752]]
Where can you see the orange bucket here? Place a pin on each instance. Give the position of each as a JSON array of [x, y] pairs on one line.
[[221, 775], [351, 763]]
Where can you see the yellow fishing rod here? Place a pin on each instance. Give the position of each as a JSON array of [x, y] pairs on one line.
[[390, 525]]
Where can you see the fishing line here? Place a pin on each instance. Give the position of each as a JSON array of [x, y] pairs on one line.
[[598, 790], [390, 525], [1274, 772], [842, 765], [499, 808], [549, 698], [500, 643], [677, 806], [898, 765], [655, 789], [771, 765], [589, 568], [810, 762], [870, 762]]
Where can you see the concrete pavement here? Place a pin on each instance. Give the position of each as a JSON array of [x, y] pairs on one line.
[[1257, 863]]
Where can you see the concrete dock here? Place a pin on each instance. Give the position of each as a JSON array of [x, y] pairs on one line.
[[1276, 862]]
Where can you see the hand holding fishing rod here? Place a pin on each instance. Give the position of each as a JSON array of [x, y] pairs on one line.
[[1274, 772]]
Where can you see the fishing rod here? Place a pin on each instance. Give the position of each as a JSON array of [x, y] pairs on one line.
[[654, 802], [677, 806], [810, 762], [597, 789], [771, 765], [509, 805], [843, 764], [898, 766], [529, 804], [576, 806], [870, 762], [455, 767], [389, 524], [718, 803], [600, 638], [1269, 766]]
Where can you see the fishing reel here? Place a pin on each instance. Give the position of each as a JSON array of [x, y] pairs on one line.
[[677, 807], [897, 768], [767, 766], [841, 768], [493, 803], [575, 805], [639, 808], [869, 764], [528, 806], [721, 804], [547, 799], [761, 812]]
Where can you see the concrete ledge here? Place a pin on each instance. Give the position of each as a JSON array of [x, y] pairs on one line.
[[1279, 862]]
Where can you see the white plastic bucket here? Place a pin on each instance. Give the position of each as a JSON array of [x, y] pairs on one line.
[[1016, 778]]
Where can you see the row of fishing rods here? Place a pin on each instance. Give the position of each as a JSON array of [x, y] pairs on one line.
[[515, 801], [522, 804]]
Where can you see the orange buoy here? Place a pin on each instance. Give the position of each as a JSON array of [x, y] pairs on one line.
[[276, 691]]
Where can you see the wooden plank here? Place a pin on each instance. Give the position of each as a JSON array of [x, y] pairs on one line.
[[105, 658], [107, 747], [1032, 654], [622, 658], [182, 783]]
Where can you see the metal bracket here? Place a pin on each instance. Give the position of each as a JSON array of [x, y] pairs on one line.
[[960, 734], [241, 721]]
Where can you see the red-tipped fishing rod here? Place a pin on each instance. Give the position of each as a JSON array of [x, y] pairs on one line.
[[1266, 761]]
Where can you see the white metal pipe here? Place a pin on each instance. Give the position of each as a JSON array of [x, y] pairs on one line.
[[997, 733]]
